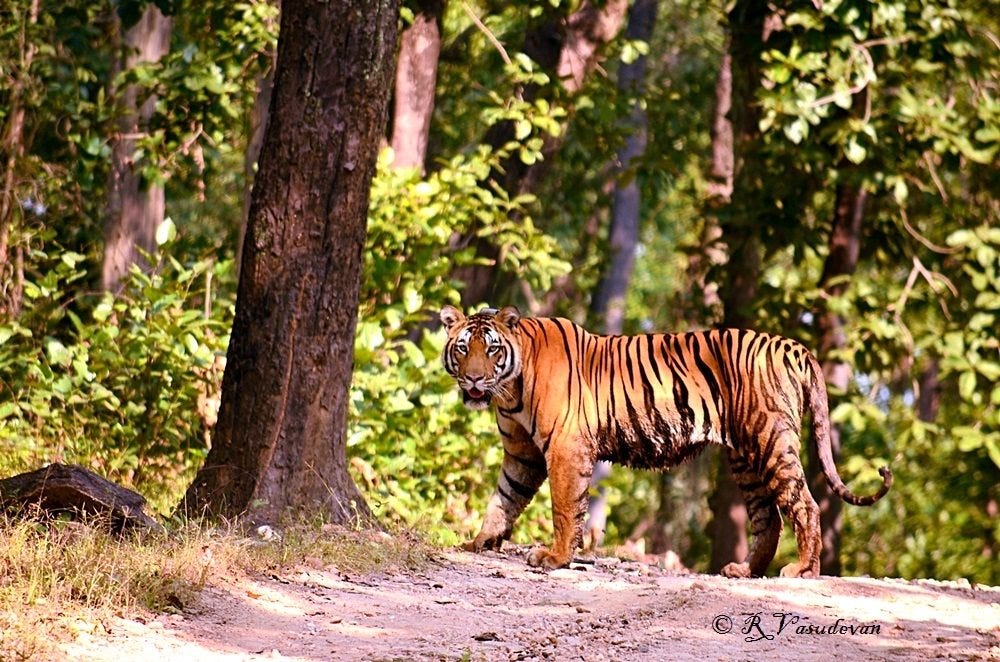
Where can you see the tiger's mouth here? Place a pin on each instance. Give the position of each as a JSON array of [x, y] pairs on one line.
[[475, 398]]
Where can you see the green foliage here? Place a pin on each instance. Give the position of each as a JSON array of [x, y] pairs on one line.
[[125, 385]]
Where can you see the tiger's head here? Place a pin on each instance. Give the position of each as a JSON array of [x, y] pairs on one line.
[[481, 353]]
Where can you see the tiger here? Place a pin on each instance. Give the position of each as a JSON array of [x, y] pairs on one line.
[[566, 398]]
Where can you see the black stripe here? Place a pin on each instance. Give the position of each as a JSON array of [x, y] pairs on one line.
[[527, 462], [519, 487], [504, 495]]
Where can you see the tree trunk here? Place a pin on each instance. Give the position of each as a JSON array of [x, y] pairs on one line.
[[728, 527], [416, 76], [135, 206], [12, 150], [608, 303], [280, 442], [842, 259], [740, 223], [570, 49], [929, 400]]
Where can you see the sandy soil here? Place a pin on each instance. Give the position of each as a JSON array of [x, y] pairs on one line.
[[494, 607]]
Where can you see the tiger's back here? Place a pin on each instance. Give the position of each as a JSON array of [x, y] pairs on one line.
[[653, 400]]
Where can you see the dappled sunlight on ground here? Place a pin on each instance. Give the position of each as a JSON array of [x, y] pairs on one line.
[[494, 607]]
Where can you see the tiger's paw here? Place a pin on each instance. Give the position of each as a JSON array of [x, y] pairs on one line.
[[541, 557], [736, 570], [481, 543], [796, 570]]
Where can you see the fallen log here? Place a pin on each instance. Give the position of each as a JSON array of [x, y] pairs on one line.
[[61, 488]]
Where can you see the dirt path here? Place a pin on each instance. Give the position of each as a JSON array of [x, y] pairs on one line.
[[493, 607]]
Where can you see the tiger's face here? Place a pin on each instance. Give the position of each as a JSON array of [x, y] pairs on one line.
[[481, 352]]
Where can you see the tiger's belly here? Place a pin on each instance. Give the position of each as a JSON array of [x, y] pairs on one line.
[[659, 440]]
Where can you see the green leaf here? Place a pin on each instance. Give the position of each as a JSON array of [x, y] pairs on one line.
[[57, 352], [967, 385], [854, 152], [166, 232], [7, 409], [522, 129]]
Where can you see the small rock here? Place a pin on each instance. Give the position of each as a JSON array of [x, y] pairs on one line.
[[267, 533], [486, 636]]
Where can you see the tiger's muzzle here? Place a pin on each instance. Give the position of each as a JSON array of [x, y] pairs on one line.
[[475, 393]]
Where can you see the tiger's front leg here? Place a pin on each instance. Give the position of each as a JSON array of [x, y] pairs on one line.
[[570, 468], [521, 474]]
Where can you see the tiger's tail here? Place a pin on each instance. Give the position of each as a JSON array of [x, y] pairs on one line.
[[818, 404]]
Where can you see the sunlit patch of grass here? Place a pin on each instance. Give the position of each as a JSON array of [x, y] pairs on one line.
[[56, 574]]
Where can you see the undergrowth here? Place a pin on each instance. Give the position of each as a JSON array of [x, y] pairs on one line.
[[58, 578]]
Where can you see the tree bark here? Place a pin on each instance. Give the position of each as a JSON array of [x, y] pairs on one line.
[[842, 260], [135, 206], [416, 77], [255, 140], [280, 442], [60, 488]]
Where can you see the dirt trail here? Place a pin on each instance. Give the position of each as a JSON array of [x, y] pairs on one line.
[[493, 607]]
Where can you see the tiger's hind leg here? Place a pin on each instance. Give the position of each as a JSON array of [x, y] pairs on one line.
[[765, 521], [791, 493]]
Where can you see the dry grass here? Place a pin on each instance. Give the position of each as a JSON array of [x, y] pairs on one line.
[[62, 577]]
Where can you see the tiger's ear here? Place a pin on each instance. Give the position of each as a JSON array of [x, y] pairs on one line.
[[450, 316], [509, 316]]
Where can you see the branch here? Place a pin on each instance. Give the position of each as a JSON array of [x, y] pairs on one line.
[[486, 31], [922, 239]]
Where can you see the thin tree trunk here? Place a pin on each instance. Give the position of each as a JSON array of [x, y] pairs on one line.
[[608, 303], [135, 206], [416, 76], [12, 150], [929, 400], [280, 441], [842, 260]]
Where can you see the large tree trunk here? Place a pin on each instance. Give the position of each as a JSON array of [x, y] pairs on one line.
[[740, 221], [570, 48], [135, 206], [416, 76], [842, 259], [280, 439], [608, 303]]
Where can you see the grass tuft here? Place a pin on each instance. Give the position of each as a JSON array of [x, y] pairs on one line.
[[58, 574]]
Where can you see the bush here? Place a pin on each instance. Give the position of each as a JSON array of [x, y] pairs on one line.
[[125, 385], [418, 453]]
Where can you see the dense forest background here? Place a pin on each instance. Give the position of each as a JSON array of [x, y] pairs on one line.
[[824, 170]]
